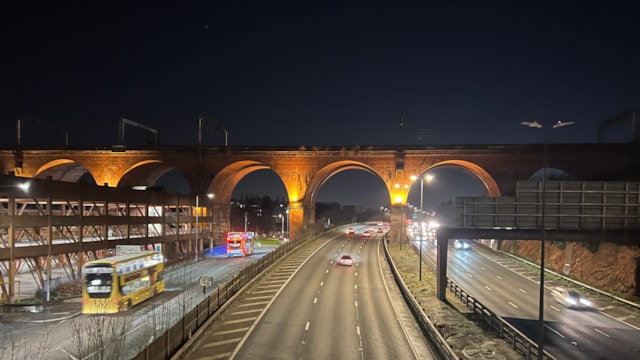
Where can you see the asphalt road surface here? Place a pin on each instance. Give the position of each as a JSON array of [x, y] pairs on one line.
[[314, 308], [511, 291]]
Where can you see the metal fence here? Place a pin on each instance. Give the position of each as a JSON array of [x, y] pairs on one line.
[[518, 341], [433, 336]]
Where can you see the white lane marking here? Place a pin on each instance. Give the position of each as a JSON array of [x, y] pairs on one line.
[[488, 288], [356, 303], [469, 275], [554, 331], [306, 327], [601, 332], [315, 301], [499, 277], [554, 308], [483, 268], [321, 283], [512, 304], [522, 291]]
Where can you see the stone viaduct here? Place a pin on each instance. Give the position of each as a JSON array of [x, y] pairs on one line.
[[303, 170]]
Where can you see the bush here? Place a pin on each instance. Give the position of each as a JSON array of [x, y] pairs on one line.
[[68, 290]]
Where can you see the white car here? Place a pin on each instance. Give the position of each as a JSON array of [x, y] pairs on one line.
[[345, 260], [460, 244], [570, 298]]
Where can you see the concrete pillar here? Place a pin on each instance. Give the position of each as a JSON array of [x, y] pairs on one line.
[[397, 228], [296, 219], [441, 267]]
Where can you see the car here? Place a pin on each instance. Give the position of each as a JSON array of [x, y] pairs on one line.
[[460, 244], [380, 230], [366, 234], [351, 231], [570, 298], [345, 260]]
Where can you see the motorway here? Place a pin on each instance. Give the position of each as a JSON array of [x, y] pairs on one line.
[[312, 308], [511, 291]]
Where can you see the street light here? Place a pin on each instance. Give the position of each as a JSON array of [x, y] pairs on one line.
[[213, 221], [429, 178], [537, 125], [22, 186], [210, 196], [281, 225], [286, 211]]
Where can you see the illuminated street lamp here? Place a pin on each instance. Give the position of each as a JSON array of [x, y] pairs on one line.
[[210, 196], [286, 211], [281, 225], [537, 125], [422, 178], [22, 186]]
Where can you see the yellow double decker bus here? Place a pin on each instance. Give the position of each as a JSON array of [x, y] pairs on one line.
[[117, 283]]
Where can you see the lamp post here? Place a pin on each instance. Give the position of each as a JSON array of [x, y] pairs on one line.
[[537, 125], [429, 178], [286, 211], [281, 226], [210, 196]]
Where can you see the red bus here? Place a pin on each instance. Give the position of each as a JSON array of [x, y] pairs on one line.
[[239, 243]]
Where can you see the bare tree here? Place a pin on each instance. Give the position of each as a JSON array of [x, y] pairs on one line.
[[101, 337]]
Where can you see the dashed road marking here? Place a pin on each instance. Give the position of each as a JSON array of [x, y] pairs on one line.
[[555, 331]]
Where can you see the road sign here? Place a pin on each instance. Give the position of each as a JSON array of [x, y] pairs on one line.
[[205, 281]]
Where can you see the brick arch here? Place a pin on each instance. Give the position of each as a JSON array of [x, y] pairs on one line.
[[62, 170], [228, 177], [223, 184], [146, 173], [488, 182], [321, 176]]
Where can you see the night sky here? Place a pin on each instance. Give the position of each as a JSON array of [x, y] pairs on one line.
[[327, 73]]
